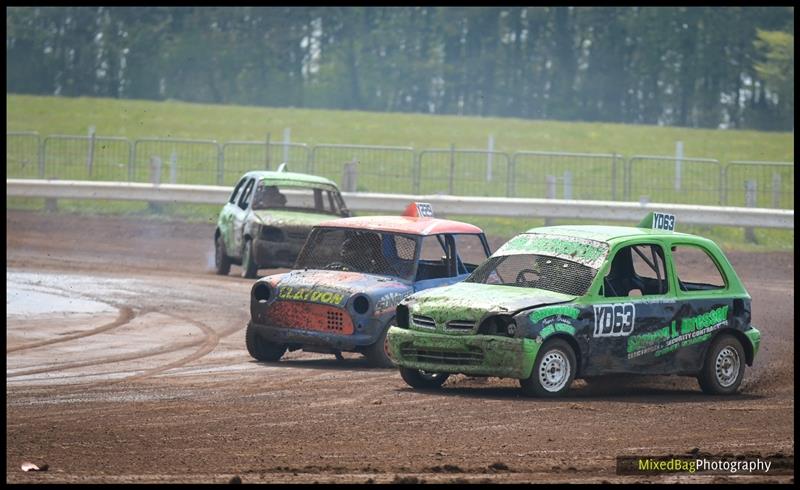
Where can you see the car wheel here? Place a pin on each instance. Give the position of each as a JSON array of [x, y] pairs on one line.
[[249, 267], [378, 353], [261, 349], [423, 380], [723, 368], [221, 260], [553, 370]]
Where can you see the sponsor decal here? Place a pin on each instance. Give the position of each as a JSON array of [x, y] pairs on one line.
[[314, 296], [555, 319], [614, 320], [587, 252], [390, 300], [554, 311], [693, 330]]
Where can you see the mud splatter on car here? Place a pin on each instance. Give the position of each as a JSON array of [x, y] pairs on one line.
[[565, 302], [349, 277]]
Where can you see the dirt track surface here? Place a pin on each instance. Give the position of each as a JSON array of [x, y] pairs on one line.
[[131, 367]]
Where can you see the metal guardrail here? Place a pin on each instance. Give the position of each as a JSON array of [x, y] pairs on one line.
[[391, 203], [371, 168]]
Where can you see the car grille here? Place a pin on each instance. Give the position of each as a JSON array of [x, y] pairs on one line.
[[309, 316], [460, 326], [442, 357], [423, 322]]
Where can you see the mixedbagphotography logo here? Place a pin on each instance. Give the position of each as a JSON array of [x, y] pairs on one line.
[[699, 463]]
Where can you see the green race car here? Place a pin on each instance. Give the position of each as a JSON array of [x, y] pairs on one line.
[[564, 302], [268, 217]]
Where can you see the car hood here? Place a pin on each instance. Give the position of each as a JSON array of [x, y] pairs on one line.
[[336, 287], [278, 217], [473, 301]]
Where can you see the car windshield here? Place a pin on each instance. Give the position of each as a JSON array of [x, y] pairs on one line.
[[296, 198], [535, 271], [367, 251]]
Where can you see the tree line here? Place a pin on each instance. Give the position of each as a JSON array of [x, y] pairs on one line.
[[703, 67]]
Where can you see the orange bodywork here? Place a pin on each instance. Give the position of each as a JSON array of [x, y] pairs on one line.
[[310, 316]]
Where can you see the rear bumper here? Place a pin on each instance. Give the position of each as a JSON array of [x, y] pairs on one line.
[[277, 254], [482, 355], [754, 336]]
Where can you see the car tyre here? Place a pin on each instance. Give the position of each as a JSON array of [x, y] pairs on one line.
[[222, 262], [723, 368], [249, 267], [553, 371], [423, 380], [378, 353], [261, 349]]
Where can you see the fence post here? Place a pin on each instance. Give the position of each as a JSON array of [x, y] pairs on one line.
[[220, 163], [90, 156], [678, 158], [173, 164], [776, 190], [489, 155], [750, 202], [614, 176], [626, 179], [40, 155], [350, 177], [512, 164], [416, 171], [550, 193], [267, 159], [567, 184], [155, 179], [452, 168], [287, 134], [131, 159]]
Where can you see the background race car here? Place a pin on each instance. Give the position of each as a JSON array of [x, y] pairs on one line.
[[269, 216], [564, 302], [350, 276]]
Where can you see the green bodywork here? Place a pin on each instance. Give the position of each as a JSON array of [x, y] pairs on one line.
[[541, 314], [293, 179], [754, 336], [277, 217], [469, 301], [502, 357]]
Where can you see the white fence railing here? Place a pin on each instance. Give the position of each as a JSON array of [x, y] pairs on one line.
[[442, 204]]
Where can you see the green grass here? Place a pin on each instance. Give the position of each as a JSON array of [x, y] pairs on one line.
[[135, 119], [142, 119]]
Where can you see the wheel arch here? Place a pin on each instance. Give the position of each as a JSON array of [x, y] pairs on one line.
[[749, 355], [570, 340]]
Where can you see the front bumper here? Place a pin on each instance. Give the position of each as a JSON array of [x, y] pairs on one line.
[[482, 355], [308, 338]]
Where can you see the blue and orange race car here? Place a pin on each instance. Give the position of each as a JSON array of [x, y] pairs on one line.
[[350, 276]]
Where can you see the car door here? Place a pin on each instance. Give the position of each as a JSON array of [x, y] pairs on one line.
[[226, 216], [240, 213], [636, 304], [705, 304]]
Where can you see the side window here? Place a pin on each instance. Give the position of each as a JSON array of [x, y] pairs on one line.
[[244, 199], [235, 193], [470, 252], [696, 270], [636, 270], [433, 263]]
